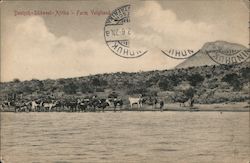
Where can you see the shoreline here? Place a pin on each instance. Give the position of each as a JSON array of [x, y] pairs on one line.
[[218, 107], [172, 110], [222, 107]]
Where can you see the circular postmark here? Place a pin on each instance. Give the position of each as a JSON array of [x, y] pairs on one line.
[[179, 54], [228, 56], [117, 33]]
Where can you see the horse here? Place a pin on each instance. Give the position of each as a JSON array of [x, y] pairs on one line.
[[135, 100]]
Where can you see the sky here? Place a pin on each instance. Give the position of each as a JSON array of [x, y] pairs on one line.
[[42, 47]]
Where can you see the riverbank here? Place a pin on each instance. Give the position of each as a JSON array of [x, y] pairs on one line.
[[221, 107], [232, 106]]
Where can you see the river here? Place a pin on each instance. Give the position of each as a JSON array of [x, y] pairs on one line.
[[129, 137]]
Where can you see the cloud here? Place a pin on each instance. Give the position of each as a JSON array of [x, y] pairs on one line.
[[32, 51], [165, 30]]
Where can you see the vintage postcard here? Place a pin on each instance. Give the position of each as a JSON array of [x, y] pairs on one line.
[[124, 81]]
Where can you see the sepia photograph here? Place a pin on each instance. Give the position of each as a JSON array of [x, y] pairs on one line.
[[124, 81]]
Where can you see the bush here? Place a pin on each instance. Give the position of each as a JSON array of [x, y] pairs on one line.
[[233, 80], [167, 83], [133, 90], [195, 79], [245, 72], [98, 82], [70, 88], [16, 80], [86, 88], [189, 93], [99, 89], [113, 95]]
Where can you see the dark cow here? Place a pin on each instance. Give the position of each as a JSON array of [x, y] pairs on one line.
[[22, 106], [99, 103], [72, 105], [151, 101], [83, 104], [117, 102]]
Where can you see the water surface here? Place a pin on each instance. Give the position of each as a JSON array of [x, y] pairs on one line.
[[149, 137]]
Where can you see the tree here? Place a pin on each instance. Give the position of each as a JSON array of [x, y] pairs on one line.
[[189, 93], [246, 73], [70, 88], [164, 84], [233, 80], [98, 82], [95, 82], [16, 80], [136, 90], [113, 95], [37, 85], [26, 88], [175, 80], [85, 88], [167, 83], [195, 79]]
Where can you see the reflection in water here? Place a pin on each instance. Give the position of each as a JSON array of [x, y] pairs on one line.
[[125, 137]]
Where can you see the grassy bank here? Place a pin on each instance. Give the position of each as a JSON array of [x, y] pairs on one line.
[[221, 107]]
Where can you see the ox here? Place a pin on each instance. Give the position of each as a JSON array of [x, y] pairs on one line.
[[135, 100], [117, 102], [48, 106]]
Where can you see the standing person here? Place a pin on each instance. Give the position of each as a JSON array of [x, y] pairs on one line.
[[192, 102], [161, 105]]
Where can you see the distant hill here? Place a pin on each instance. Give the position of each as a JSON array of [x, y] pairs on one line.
[[202, 59]]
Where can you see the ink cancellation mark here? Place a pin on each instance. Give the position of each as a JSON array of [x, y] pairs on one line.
[[230, 56], [179, 54], [117, 33]]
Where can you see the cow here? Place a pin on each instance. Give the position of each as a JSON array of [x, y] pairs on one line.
[[49, 106], [34, 105], [151, 101], [83, 104], [21, 106], [71, 104], [135, 100], [99, 103], [117, 102]]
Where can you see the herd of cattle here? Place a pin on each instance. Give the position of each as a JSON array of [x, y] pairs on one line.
[[77, 104]]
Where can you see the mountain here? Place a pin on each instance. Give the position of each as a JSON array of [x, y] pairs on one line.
[[201, 58]]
